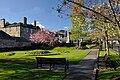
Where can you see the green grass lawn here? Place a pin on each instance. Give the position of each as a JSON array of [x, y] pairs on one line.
[[109, 74], [11, 69]]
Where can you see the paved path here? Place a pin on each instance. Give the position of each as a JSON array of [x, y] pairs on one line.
[[85, 69]]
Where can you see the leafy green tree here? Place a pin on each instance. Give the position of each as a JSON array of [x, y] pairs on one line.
[[95, 9], [79, 25]]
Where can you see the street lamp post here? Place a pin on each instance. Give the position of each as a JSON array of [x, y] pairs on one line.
[[68, 35]]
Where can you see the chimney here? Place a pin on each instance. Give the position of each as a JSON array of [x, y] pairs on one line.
[[25, 21], [2, 22], [35, 23]]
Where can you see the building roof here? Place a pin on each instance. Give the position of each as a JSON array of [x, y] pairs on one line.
[[4, 35], [21, 24], [62, 31], [19, 39]]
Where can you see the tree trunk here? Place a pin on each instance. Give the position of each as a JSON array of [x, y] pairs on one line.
[[100, 45], [119, 39], [112, 43], [119, 45], [104, 43], [79, 44], [107, 45]]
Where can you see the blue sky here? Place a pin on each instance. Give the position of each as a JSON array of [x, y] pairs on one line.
[[39, 10]]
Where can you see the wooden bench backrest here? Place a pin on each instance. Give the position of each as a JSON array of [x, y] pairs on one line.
[[106, 57], [43, 60], [58, 60], [51, 60]]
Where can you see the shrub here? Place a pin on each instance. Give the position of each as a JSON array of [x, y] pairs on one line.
[[77, 47], [37, 52], [10, 54], [51, 44]]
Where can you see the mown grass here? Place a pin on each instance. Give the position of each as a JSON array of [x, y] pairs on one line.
[[24, 72], [11, 69], [110, 73]]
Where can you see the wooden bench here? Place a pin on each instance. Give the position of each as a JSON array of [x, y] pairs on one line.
[[52, 62], [115, 64], [41, 61], [104, 61]]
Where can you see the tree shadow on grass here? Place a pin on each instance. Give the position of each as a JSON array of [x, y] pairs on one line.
[[108, 74], [21, 70]]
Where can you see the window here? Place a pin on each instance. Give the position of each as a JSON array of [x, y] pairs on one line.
[[31, 30], [16, 29], [10, 29], [5, 29], [0, 27], [27, 29]]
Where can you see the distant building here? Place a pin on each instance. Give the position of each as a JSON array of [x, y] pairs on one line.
[[16, 34], [61, 35], [22, 30]]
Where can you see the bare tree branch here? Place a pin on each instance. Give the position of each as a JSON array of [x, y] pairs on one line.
[[90, 9], [114, 13]]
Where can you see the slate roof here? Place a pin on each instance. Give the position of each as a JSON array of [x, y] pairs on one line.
[[62, 31], [21, 24], [4, 35], [19, 39]]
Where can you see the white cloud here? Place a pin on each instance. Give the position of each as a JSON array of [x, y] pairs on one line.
[[38, 24]]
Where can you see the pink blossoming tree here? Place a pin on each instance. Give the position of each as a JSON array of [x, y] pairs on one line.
[[42, 36]]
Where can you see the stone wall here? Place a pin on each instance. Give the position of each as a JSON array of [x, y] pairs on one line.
[[12, 31], [25, 32], [12, 43]]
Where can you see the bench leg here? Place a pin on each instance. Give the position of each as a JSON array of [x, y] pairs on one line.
[[96, 75], [37, 65], [65, 68], [50, 66], [53, 66], [97, 65], [41, 65], [106, 66]]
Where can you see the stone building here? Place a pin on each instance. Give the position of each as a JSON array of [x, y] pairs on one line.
[[61, 35], [7, 41], [22, 30], [16, 34]]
